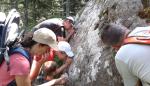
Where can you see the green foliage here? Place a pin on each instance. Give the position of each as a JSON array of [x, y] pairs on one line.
[[76, 5], [145, 13], [34, 10], [146, 3]]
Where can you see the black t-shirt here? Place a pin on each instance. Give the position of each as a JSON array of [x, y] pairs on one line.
[[55, 24]]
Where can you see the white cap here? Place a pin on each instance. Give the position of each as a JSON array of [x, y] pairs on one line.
[[2, 17], [65, 46], [70, 18], [45, 36]]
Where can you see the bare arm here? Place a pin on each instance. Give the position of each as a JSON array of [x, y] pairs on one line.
[[51, 83], [64, 66], [36, 66], [71, 32], [35, 69], [23, 80]]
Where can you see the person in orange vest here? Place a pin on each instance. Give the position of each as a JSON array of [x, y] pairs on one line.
[[132, 57]]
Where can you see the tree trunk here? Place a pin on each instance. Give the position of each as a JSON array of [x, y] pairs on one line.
[[26, 14]]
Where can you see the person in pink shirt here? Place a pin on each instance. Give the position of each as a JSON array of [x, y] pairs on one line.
[[37, 43]]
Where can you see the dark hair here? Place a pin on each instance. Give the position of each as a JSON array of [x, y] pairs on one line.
[[54, 27], [27, 41], [112, 34]]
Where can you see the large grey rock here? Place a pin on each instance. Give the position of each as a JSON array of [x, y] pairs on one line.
[[94, 62]]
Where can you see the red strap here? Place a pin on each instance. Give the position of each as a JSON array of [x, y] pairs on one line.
[[51, 56]]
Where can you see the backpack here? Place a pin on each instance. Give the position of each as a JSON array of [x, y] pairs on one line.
[[10, 36]]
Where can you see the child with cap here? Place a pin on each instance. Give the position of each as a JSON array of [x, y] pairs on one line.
[[55, 67]]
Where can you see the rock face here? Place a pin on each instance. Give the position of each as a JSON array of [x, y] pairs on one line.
[[94, 62]]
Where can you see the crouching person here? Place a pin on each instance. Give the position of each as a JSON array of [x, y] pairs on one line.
[[133, 53], [36, 43], [54, 67]]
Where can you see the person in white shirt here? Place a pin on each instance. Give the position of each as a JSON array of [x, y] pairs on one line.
[[132, 59]]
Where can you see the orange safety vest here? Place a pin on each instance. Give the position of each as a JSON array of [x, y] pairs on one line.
[[140, 35], [134, 40], [137, 40]]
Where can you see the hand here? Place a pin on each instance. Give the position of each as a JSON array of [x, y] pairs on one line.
[[54, 73], [64, 76], [43, 58]]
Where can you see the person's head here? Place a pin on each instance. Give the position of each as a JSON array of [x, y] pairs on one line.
[[113, 34], [50, 67], [68, 22], [71, 19], [39, 42], [64, 50]]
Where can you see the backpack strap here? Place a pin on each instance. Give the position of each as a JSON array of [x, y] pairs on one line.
[[13, 83], [21, 51]]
